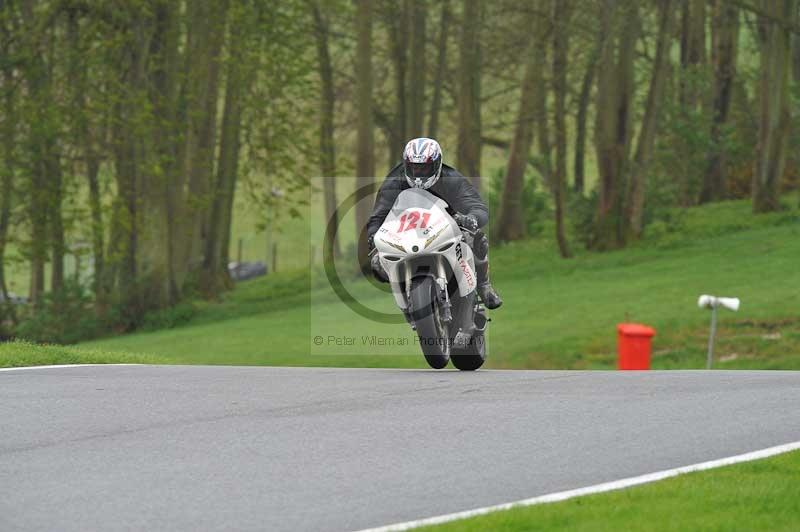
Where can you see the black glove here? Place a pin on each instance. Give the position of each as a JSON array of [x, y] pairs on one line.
[[371, 243], [377, 269], [467, 221]]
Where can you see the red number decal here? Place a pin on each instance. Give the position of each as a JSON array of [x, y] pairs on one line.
[[413, 218], [402, 222]]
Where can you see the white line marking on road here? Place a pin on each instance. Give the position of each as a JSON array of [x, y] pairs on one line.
[[64, 366], [590, 490]]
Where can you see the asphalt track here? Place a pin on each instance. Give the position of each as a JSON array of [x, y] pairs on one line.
[[233, 448]]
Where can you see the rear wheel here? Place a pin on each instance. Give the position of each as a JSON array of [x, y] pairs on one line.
[[432, 332], [473, 356]]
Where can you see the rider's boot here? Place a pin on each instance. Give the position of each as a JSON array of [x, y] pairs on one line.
[[488, 295]]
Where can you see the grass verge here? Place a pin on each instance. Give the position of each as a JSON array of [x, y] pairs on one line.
[[21, 354], [759, 495]]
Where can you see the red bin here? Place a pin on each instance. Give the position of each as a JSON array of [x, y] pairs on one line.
[[633, 345]]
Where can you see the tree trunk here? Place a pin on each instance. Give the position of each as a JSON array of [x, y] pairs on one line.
[[613, 121], [168, 141], [397, 19], [6, 178], [469, 84], [562, 11], [154, 166], [775, 110], [541, 93], [584, 100], [693, 50], [327, 145], [216, 255], [441, 66], [647, 133], [125, 217], [56, 226], [85, 138], [417, 76], [691, 94], [724, 47], [53, 174], [365, 157], [511, 222], [99, 282], [38, 194], [205, 38], [128, 215]]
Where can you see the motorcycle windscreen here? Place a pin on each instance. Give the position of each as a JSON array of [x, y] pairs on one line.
[[415, 198]]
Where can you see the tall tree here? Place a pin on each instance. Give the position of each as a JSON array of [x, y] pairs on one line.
[[774, 97], [169, 105], [562, 11], [218, 242], [40, 143], [511, 222], [693, 49], [418, 72], [327, 146], [204, 44], [724, 47], [613, 121], [83, 134], [541, 95], [8, 130], [469, 97], [396, 16], [439, 74], [647, 133], [365, 156], [582, 115]]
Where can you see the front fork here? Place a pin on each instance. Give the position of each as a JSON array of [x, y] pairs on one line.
[[444, 297], [441, 285]]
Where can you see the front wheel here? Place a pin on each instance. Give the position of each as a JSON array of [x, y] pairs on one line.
[[432, 332]]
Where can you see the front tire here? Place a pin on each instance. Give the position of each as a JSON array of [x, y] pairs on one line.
[[432, 332]]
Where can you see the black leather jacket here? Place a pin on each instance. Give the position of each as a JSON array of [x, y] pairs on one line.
[[452, 187]]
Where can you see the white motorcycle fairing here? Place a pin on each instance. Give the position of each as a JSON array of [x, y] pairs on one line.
[[418, 228]]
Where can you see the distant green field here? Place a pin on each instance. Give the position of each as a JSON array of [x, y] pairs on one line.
[[760, 495], [558, 314]]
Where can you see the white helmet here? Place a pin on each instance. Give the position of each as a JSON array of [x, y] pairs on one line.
[[422, 162]]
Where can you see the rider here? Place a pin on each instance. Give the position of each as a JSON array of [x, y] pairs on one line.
[[422, 168]]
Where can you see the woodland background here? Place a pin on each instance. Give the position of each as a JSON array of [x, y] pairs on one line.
[[138, 136]]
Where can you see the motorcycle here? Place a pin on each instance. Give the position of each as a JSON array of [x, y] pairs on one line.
[[431, 269]]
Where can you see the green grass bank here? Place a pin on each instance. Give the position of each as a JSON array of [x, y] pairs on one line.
[[557, 313], [760, 495]]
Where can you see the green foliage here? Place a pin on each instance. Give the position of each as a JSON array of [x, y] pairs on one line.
[[69, 317], [279, 141], [583, 209], [168, 318], [66, 317], [535, 203]]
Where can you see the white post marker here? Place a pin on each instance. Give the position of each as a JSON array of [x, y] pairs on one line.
[[712, 303]]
